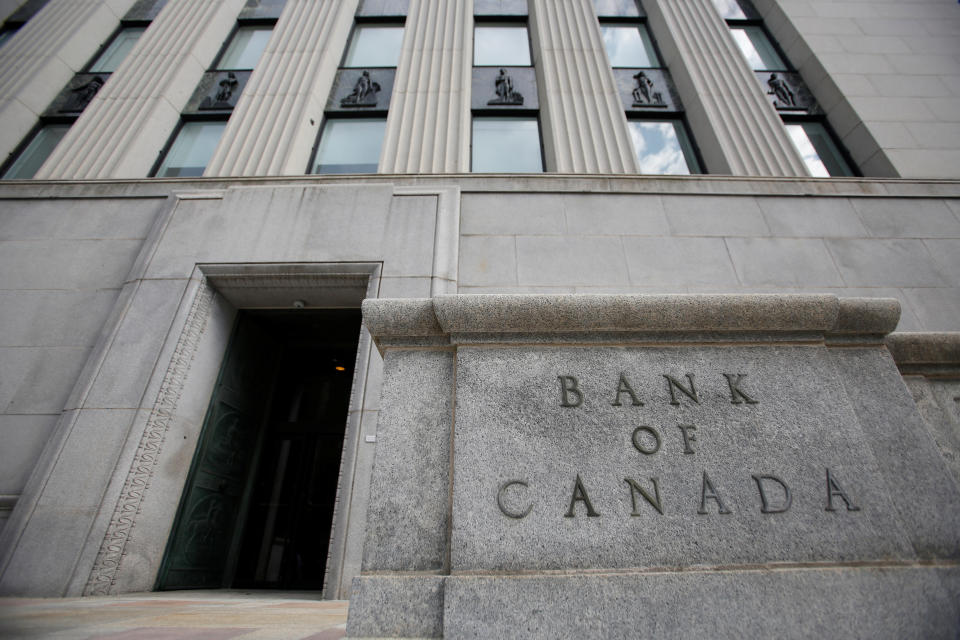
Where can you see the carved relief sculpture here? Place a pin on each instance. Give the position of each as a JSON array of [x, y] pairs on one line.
[[364, 93], [503, 85], [82, 95], [644, 94], [781, 91], [222, 99]]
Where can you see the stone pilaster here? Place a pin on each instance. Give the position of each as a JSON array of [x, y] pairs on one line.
[[584, 127], [737, 129], [43, 56], [275, 124], [428, 127], [126, 125]]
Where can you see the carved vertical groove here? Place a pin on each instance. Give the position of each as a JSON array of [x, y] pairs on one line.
[[749, 132], [582, 112], [428, 127], [270, 132], [106, 567]]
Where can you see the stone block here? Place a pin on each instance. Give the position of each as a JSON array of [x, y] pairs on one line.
[[570, 260], [783, 261], [408, 229], [820, 218], [679, 262], [516, 214], [34, 318], [937, 309], [65, 264], [396, 607], [93, 219], [488, 260], [407, 512], [934, 399], [947, 255], [38, 379], [886, 263], [636, 215], [23, 437], [907, 218], [714, 216]]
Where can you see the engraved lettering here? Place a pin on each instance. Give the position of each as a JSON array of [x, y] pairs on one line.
[[765, 506], [624, 387], [654, 501], [673, 384], [687, 436], [580, 495], [708, 492], [503, 509], [639, 445], [737, 395], [833, 489], [568, 386]]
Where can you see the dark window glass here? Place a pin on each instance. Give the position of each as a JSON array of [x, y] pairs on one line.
[[820, 153], [663, 147], [501, 45], [6, 33], [350, 145], [117, 50], [506, 145], [374, 46], [245, 48], [629, 45], [191, 150], [37, 151]]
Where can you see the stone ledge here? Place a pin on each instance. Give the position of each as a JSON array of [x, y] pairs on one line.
[[712, 318], [932, 354]]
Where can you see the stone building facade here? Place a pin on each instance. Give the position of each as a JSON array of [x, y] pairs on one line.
[[121, 292]]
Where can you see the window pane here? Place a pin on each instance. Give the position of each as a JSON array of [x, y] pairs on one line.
[[757, 49], [191, 151], [350, 146], [617, 8], [663, 148], [729, 9], [374, 46], [820, 153], [245, 48], [501, 45], [119, 47], [506, 145], [7, 33], [629, 46], [36, 153]]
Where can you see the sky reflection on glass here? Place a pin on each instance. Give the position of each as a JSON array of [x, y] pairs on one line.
[[122, 44], [245, 48], [624, 8], [506, 145], [729, 9], [628, 46], [191, 151], [501, 45], [756, 48], [374, 46], [658, 148], [350, 145]]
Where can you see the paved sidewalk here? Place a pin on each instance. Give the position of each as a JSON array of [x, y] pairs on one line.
[[176, 615]]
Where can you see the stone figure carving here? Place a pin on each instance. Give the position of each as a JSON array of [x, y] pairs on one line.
[[644, 94], [222, 99], [364, 92], [781, 91], [82, 95], [503, 85]]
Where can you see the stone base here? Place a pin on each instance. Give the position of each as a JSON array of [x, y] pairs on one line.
[[396, 607]]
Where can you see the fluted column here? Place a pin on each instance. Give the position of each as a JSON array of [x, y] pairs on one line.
[[584, 126], [275, 123], [738, 130], [126, 125], [44, 54], [428, 126]]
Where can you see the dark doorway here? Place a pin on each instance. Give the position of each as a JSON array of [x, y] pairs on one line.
[[258, 505]]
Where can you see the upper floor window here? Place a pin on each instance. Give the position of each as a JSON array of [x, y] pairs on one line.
[[663, 147], [245, 48], [617, 8], [757, 48], [350, 145], [730, 10], [36, 151], [628, 45], [191, 149], [818, 150], [501, 44], [374, 45], [508, 144], [114, 53]]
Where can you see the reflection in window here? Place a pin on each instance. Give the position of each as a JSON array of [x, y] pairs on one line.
[[730, 10], [506, 45], [757, 48], [374, 46], [36, 152], [663, 147], [245, 48], [191, 150], [119, 47], [819, 152], [629, 46], [617, 8], [350, 145], [506, 145]]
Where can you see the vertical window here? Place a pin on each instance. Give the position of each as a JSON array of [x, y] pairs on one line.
[[628, 45], [36, 151], [121, 44], [786, 91], [245, 48], [501, 44], [506, 145], [350, 139], [663, 147], [191, 149]]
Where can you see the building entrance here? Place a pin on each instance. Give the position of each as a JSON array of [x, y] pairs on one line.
[[258, 504]]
